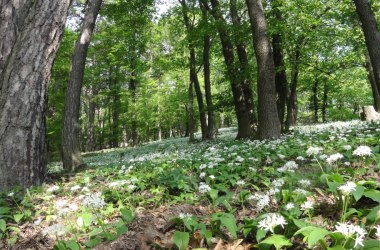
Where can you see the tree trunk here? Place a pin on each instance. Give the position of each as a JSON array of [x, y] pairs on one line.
[[244, 68], [193, 70], [91, 120], [369, 114], [325, 102], [190, 114], [372, 81], [71, 156], [291, 116], [315, 100], [371, 35], [241, 111], [133, 89], [30, 33], [268, 123], [207, 76]]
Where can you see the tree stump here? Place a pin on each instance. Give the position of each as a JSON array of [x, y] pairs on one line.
[[369, 114]]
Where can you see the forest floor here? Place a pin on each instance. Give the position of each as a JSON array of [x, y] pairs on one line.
[[317, 187]]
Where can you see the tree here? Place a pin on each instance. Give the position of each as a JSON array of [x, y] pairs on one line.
[[372, 40], [268, 122], [71, 156], [30, 33]]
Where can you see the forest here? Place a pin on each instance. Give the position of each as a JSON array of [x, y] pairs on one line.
[[190, 124]]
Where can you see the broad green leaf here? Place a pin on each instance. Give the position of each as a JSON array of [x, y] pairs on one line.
[[358, 193], [94, 232], [73, 245], [300, 223], [121, 230], [3, 225], [214, 194], [227, 220], [278, 241], [18, 217], [92, 243], [208, 236], [60, 245], [339, 247], [181, 239], [316, 235], [371, 245], [4, 210], [373, 194], [350, 212], [260, 234], [373, 216], [127, 215]]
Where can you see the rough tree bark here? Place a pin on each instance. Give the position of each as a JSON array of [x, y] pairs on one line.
[[193, 71], [315, 103], [372, 81], [71, 156], [241, 110], [30, 33], [268, 123], [371, 35]]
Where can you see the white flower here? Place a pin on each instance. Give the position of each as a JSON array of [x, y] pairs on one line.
[[290, 166], [278, 182], [212, 177], [271, 221], [202, 175], [347, 163], [289, 206], [347, 147], [52, 189], [55, 229], [203, 188], [75, 188], [202, 166], [334, 158], [323, 157], [362, 151], [350, 231], [304, 182], [377, 231], [281, 156], [300, 158], [239, 159], [313, 151], [184, 215], [262, 200], [307, 205], [347, 188], [240, 182], [300, 191], [131, 187], [11, 194], [94, 201]]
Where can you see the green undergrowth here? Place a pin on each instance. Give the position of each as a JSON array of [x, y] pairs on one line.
[[315, 187]]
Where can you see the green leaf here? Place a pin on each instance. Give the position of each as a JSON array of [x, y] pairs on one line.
[[371, 245], [214, 194], [126, 215], [181, 239], [358, 193], [121, 230], [18, 217], [373, 216], [227, 220], [350, 212], [73, 245], [339, 247], [60, 245], [300, 223], [92, 243], [3, 225], [316, 235], [94, 232], [4, 210], [373, 194], [277, 240], [260, 234], [208, 236]]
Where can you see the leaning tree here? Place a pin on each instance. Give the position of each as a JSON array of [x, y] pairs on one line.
[[30, 34]]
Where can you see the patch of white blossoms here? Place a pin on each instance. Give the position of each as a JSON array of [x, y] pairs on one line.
[[351, 231], [334, 158], [347, 188], [307, 205], [290, 166], [203, 188], [271, 221], [362, 151], [313, 151], [94, 201]]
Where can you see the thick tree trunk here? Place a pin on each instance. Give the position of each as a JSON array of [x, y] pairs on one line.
[[268, 123], [243, 67], [207, 75], [190, 113], [291, 116], [279, 64], [369, 114], [30, 33], [193, 70], [71, 156], [375, 90], [315, 100], [241, 111], [325, 102], [371, 35]]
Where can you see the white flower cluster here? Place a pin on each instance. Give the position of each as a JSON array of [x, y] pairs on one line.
[[289, 206], [290, 166], [347, 188], [377, 231], [94, 201], [351, 231], [334, 158], [52, 189], [304, 183], [362, 151], [278, 182], [203, 188], [185, 215], [262, 200], [240, 183], [307, 205], [55, 230], [313, 151], [271, 221]]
